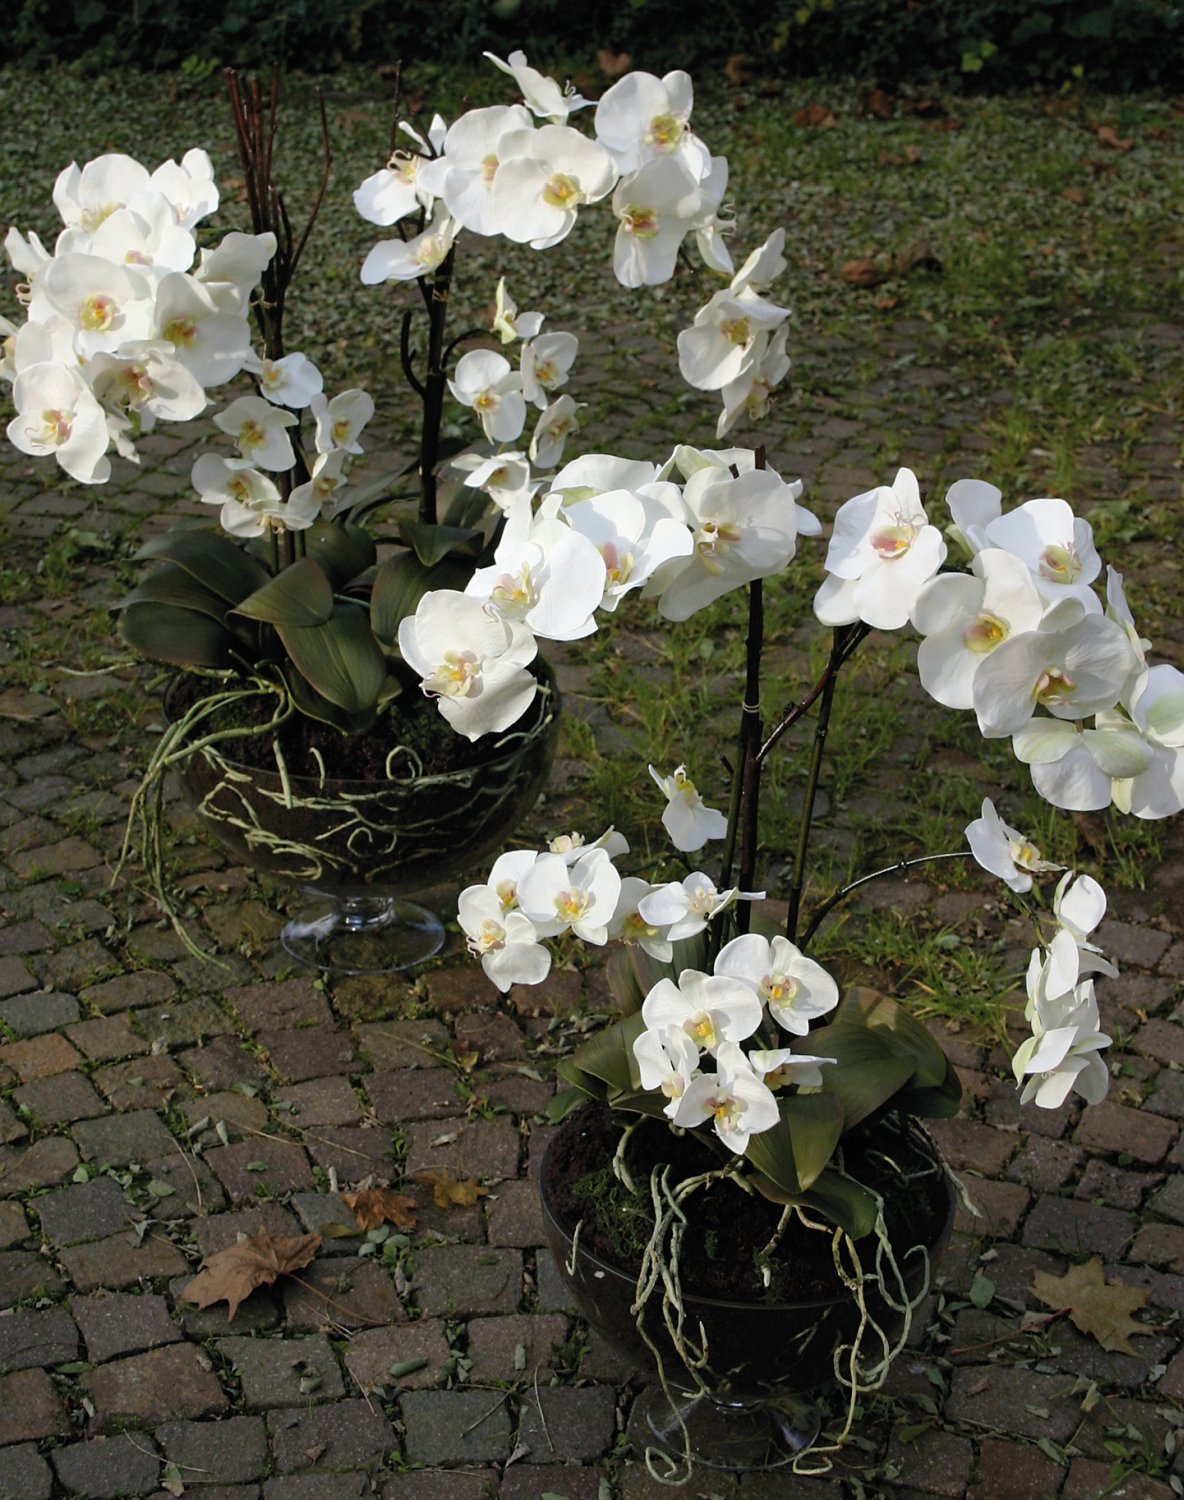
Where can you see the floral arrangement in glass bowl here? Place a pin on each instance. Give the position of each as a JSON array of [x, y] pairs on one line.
[[315, 613]]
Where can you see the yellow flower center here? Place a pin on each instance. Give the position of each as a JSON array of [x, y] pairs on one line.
[[1060, 564], [1053, 686], [457, 676], [251, 434], [55, 426], [643, 222], [891, 542], [779, 989], [571, 905], [507, 893], [712, 540], [737, 331], [1023, 853], [665, 132], [562, 191], [985, 633], [92, 218], [701, 1030], [618, 565], [97, 313], [181, 332]]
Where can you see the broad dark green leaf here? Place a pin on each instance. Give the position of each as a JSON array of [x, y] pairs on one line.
[[174, 585], [300, 595], [181, 637], [844, 1202], [310, 702], [608, 1054], [340, 659], [433, 543], [213, 559], [867, 1073], [866, 1007], [795, 1151], [400, 583], [343, 549]]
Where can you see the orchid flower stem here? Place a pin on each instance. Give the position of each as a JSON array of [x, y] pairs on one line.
[[900, 867], [435, 385], [749, 769], [846, 639]]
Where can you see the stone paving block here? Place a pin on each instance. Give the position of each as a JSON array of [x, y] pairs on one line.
[[66, 856], [320, 1101], [106, 1038], [222, 1063], [120, 1261], [978, 1148], [453, 992], [33, 1015], [117, 1140], [463, 1280], [532, 1480], [276, 1373], [455, 1427], [325, 1214], [567, 1423], [494, 1038], [259, 1165], [30, 1408], [181, 1023], [561, 993], [1011, 1471], [258, 1314], [516, 1346], [441, 1484], [353, 1152], [72, 969], [348, 1434], [1118, 1187], [300, 1055], [123, 1323], [1089, 1478], [84, 1211], [372, 1353], [105, 1468], [415, 1094], [1000, 1205], [403, 1044], [1117, 1128], [1147, 1418], [515, 1214], [229, 1451], [1127, 943], [11, 1129], [14, 977], [340, 1292], [1160, 1039], [24, 1474], [31, 1337], [1159, 1245], [515, 1092], [42, 1164], [130, 991], [60, 1100], [551, 1289], [1045, 1165], [24, 1275], [280, 1006], [14, 1227], [145, 1390], [485, 1149], [1022, 1402], [220, 1231], [39, 1057], [25, 937], [355, 1486], [1071, 1227], [237, 1111], [141, 1083]]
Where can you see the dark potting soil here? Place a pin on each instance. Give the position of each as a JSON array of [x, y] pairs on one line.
[[727, 1226], [412, 720]]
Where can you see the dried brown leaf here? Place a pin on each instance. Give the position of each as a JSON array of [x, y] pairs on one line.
[[374, 1206], [1099, 1308], [613, 64], [233, 1274], [814, 117], [1108, 136], [867, 270], [880, 103], [738, 69], [1073, 195], [452, 1192]]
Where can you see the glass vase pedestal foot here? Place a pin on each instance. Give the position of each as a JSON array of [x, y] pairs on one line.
[[363, 934], [736, 1435]]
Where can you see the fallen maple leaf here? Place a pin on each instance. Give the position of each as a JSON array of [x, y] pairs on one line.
[[867, 271], [1099, 1308], [1108, 136], [375, 1206], [738, 69], [814, 117], [1073, 195], [233, 1274], [880, 103], [452, 1192], [613, 64]]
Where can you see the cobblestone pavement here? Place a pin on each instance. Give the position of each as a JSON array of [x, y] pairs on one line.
[[154, 1107]]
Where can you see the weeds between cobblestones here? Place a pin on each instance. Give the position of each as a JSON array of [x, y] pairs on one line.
[[154, 1107]]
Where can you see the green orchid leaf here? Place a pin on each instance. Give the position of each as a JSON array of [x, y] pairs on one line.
[[180, 637], [433, 543], [796, 1150], [343, 549], [844, 1202], [301, 595], [564, 1102], [907, 1035], [308, 701], [641, 1102], [176, 586], [608, 1055], [374, 492], [940, 1103], [632, 972], [400, 583], [867, 1072], [340, 659], [216, 562]]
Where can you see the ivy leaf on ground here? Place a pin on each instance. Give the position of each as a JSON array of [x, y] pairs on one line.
[[374, 1206], [233, 1274], [1097, 1307], [452, 1192]]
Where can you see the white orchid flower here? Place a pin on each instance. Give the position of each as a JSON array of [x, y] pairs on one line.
[[189, 186], [463, 175], [580, 897], [147, 237], [504, 477], [327, 477], [147, 382], [260, 431], [505, 941], [685, 907], [656, 208], [510, 324], [1079, 904], [748, 395], [1082, 769], [556, 424], [211, 342], [964, 617], [505, 873], [1157, 711], [596, 473], [641, 118], [1056, 545], [544, 574], [544, 364], [781, 1067], [544, 178], [667, 1060], [471, 662], [629, 926], [407, 260], [635, 534], [724, 341], [573, 846], [737, 1102], [1064, 1057], [795, 988], [881, 553], [106, 304], [485, 382], [709, 1008], [291, 381], [395, 191], [86, 197], [341, 420], [973, 504], [687, 819], [743, 528], [57, 414], [543, 95], [1003, 851], [232, 268], [1072, 673]]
